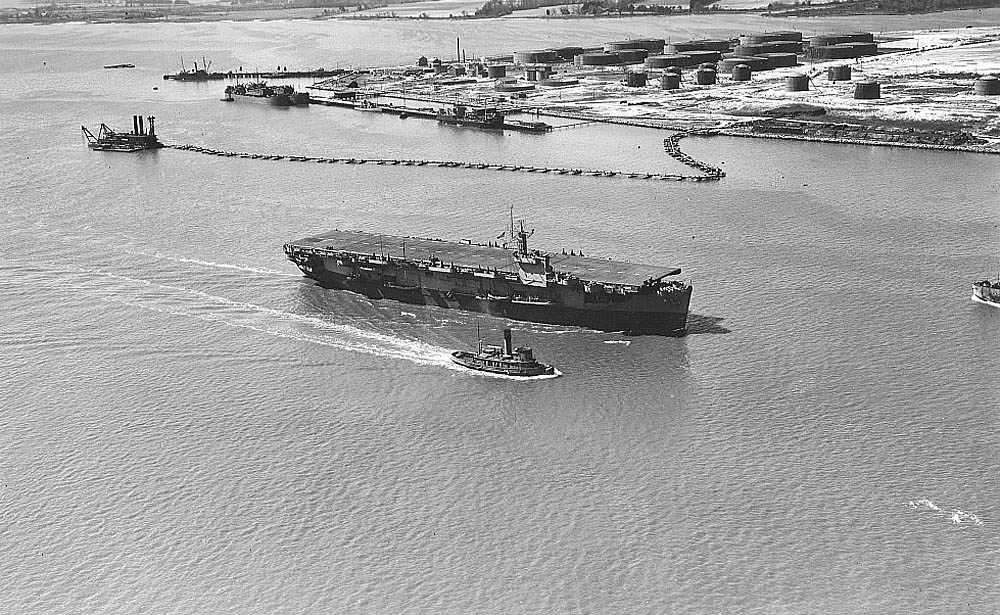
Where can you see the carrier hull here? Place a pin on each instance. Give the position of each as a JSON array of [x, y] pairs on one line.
[[506, 291]]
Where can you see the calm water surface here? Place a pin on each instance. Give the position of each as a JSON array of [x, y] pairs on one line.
[[189, 426]]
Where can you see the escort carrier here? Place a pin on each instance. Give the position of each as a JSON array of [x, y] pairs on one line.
[[518, 283]]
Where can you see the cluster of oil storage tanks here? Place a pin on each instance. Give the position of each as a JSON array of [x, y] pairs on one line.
[[739, 58], [755, 51]]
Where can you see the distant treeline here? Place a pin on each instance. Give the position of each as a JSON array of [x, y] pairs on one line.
[[498, 8], [892, 7]]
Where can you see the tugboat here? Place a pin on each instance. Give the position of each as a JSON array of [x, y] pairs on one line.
[[987, 292], [108, 140], [505, 360]]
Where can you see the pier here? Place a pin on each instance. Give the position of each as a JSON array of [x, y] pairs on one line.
[[318, 73]]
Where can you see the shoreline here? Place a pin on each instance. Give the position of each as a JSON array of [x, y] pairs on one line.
[[95, 14]]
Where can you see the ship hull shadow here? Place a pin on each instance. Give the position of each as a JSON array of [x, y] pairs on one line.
[[629, 322]]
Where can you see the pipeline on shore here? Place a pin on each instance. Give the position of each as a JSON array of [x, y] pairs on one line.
[[670, 145]]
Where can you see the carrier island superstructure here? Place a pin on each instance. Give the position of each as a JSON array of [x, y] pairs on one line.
[[509, 282]]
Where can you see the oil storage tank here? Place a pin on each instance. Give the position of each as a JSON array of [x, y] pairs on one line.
[[496, 71], [841, 72], [596, 59], [703, 55], [867, 90], [861, 49], [780, 60], [635, 79], [671, 59], [699, 45], [826, 40], [755, 49], [651, 45], [631, 56], [705, 76], [839, 51], [670, 81], [741, 72], [988, 85], [771, 37], [752, 62], [537, 56], [797, 83], [568, 53]]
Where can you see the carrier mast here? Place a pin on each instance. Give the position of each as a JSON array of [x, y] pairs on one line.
[[520, 234]]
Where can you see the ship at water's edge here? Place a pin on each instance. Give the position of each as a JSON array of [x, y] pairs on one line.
[[519, 284], [275, 96], [987, 291]]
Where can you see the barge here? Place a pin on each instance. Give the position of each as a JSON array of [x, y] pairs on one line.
[[508, 282]]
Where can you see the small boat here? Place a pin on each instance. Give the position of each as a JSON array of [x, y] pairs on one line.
[[987, 292], [367, 105], [527, 126], [122, 65], [505, 359]]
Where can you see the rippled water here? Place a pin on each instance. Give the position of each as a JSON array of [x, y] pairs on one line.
[[189, 426]]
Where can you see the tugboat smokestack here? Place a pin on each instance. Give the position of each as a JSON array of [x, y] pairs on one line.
[[135, 124], [508, 346], [142, 126]]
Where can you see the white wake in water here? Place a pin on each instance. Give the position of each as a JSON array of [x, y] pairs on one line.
[[214, 265], [989, 303], [195, 304], [190, 303], [956, 516]]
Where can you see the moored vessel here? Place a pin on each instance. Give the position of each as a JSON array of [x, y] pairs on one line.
[[527, 125], [505, 359], [516, 283], [196, 74], [261, 92], [476, 117]]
